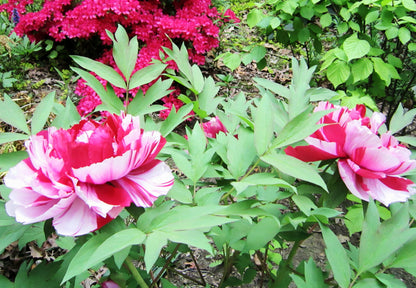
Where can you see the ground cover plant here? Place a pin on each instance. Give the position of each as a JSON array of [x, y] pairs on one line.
[[256, 177]]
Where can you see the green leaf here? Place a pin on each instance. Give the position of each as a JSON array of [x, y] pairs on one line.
[[240, 152], [41, 114], [11, 233], [154, 244], [320, 94], [263, 125], [110, 100], [409, 5], [313, 277], [273, 86], [338, 72], [8, 160], [261, 233], [400, 119], [392, 32], [299, 128], [337, 257], [390, 281], [371, 17], [124, 52], [141, 105], [325, 20], [361, 69], [67, 117], [407, 139], [231, 60], [146, 75], [206, 99], [254, 17], [180, 193], [175, 118], [384, 70], [380, 241], [258, 52], [104, 71], [261, 179], [355, 48], [11, 137], [295, 168], [5, 283], [307, 12], [304, 203], [404, 35], [11, 113], [115, 243]]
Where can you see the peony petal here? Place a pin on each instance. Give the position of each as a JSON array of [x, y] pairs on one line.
[[311, 153], [364, 172], [14, 179], [102, 198], [29, 207], [108, 170], [386, 190], [375, 159], [77, 220], [147, 183]]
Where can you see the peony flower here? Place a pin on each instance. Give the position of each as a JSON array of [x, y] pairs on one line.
[[83, 177], [368, 164], [213, 127]]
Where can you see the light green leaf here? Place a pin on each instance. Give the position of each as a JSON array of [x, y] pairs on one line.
[[400, 119], [409, 4], [273, 86], [261, 233], [11, 137], [263, 125], [8, 160], [295, 168], [254, 17], [67, 116], [320, 94], [384, 70], [146, 75], [337, 257], [206, 99], [104, 71], [380, 241], [154, 244], [240, 152], [261, 179], [361, 69], [338, 72], [11, 113], [110, 100], [41, 114], [140, 104], [355, 48], [372, 16], [407, 139], [404, 35], [180, 193], [299, 128], [124, 52], [392, 32], [175, 118], [325, 20], [231, 60]]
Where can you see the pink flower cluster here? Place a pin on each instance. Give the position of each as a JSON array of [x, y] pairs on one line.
[[83, 177], [369, 164], [152, 21]]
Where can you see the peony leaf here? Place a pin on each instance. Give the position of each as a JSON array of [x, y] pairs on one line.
[[41, 114], [146, 75], [295, 168], [12, 114], [104, 71], [66, 116], [263, 125], [11, 137], [337, 257], [8, 160], [400, 119], [154, 244]]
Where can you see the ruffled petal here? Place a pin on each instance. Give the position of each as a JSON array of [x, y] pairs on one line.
[[77, 220], [147, 183]]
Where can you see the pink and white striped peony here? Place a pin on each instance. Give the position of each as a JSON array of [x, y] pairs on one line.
[[83, 177], [368, 164]]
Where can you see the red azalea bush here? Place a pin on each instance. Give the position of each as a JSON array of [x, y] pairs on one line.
[[153, 22]]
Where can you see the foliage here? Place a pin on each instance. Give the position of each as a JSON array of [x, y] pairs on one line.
[[239, 195], [366, 49]]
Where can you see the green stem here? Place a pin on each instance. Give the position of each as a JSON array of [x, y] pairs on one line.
[[135, 273]]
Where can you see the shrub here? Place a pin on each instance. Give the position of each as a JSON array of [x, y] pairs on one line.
[[366, 49]]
